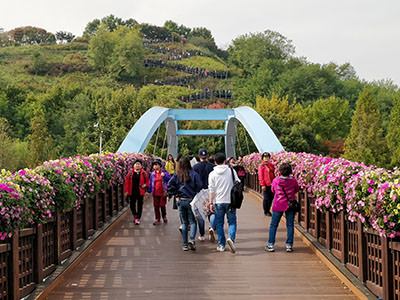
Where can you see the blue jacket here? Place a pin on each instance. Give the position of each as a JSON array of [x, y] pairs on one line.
[[204, 168], [185, 189]]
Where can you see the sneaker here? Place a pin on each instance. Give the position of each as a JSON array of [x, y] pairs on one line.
[[180, 229], [220, 248], [231, 245], [192, 245], [270, 248], [165, 220], [211, 235], [156, 223], [268, 214], [137, 221], [185, 248], [289, 248], [201, 238]]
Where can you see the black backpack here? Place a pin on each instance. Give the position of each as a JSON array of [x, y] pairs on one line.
[[236, 193]]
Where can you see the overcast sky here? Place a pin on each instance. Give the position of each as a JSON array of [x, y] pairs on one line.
[[365, 33]]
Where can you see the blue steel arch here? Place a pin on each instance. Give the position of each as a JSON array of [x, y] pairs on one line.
[[141, 133]]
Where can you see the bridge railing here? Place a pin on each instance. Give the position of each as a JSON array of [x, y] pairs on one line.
[[371, 258], [32, 254]]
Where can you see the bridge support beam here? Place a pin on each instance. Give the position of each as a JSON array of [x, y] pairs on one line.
[[172, 138], [230, 137]]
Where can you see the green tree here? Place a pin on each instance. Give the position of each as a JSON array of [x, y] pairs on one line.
[[287, 122], [78, 120], [201, 32], [64, 36], [13, 152], [171, 26], [39, 141], [117, 112], [202, 37], [29, 35], [366, 142], [101, 48], [385, 93], [331, 118], [250, 50], [6, 143], [309, 82], [112, 22], [39, 64], [128, 54], [91, 28], [393, 135], [4, 38]]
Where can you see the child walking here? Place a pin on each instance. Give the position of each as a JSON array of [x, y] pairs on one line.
[[158, 188], [284, 187]]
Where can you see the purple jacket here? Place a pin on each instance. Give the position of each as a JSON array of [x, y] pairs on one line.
[[166, 178], [281, 202]]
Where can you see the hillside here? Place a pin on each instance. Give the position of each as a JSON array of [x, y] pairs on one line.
[[51, 94]]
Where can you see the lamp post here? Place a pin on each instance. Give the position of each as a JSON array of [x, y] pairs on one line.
[[101, 137]]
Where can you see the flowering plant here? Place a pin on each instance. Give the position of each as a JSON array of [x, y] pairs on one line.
[[37, 192], [14, 212], [367, 193]]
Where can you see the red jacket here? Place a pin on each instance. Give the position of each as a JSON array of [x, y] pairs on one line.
[[266, 173], [144, 179]]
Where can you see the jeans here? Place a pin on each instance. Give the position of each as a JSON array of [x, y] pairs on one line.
[[276, 217], [201, 223], [267, 201], [187, 216], [221, 210], [211, 219]]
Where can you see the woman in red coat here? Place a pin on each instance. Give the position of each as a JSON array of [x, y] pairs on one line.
[[265, 176], [136, 184]]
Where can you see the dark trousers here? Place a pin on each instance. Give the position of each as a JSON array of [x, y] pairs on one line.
[[136, 205], [159, 204], [268, 198]]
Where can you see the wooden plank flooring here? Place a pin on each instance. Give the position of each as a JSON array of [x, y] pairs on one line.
[[146, 262]]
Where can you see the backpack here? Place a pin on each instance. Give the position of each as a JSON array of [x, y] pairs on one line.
[[236, 193]]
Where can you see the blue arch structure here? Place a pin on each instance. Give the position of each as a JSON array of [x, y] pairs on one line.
[[141, 133]]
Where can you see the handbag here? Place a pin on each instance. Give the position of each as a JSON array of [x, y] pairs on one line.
[[294, 205], [236, 193]]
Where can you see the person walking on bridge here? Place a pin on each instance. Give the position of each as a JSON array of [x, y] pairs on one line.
[[170, 165], [204, 168], [265, 176], [220, 184], [158, 187], [136, 183], [184, 185], [285, 187]]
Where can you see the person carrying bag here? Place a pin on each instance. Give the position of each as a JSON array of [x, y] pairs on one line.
[[284, 188]]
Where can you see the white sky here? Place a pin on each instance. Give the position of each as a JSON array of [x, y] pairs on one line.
[[365, 33]]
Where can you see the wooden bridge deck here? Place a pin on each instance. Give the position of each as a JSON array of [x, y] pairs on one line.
[[146, 262]]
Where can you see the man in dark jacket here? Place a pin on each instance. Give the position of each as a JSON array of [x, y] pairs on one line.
[[204, 168]]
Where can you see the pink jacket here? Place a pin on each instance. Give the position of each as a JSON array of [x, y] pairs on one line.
[[281, 202], [266, 173]]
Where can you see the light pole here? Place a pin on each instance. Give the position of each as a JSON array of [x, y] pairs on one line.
[[101, 136], [101, 140]]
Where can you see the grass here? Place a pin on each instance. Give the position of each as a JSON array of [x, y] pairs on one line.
[[207, 63]]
